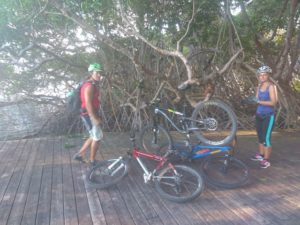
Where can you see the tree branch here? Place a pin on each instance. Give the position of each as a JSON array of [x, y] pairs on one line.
[[281, 65], [188, 27]]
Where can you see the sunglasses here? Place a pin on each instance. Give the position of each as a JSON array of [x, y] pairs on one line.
[[263, 74]]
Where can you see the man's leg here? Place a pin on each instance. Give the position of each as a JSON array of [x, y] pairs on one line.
[[85, 146], [94, 147], [80, 156]]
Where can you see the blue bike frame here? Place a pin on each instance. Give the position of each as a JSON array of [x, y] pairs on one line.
[[199, 151]]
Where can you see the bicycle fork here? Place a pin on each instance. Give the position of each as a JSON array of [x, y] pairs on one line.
[[111, 166]]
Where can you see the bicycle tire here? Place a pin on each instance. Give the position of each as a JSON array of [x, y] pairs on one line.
[[220, 122], [183, 187], [101, 177], [152, 143], [225, 172]]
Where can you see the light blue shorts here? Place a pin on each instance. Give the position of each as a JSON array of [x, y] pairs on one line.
[[95, 131]]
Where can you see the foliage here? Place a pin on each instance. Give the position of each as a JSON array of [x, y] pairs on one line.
[[296, 85]]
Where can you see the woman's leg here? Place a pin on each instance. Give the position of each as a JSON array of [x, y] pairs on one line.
[[268, 133], [261, 149], [267, 152]]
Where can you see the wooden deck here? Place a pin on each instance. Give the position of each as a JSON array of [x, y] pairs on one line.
[[41, 184]]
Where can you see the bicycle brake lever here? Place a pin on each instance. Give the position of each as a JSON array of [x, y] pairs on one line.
[[155, 101]]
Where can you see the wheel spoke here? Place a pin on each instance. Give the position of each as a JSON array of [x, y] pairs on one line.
[[185, 185], [225, 172]]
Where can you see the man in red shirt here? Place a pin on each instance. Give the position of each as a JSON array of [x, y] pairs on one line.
[[90, 103]]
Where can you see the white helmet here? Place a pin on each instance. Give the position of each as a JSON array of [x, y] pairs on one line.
[[264, 69]]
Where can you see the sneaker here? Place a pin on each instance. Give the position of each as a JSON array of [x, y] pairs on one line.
[[257, 157], [93, 163], [79, 158], [265, 164]]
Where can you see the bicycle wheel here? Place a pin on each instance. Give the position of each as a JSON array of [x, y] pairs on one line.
[[152, 139], [106, 173], [216, 123], [182, 186], [225, 171]]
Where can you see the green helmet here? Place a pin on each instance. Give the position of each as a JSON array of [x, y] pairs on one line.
[[95, 67]]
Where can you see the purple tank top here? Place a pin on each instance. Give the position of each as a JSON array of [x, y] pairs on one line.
[[264, 109]]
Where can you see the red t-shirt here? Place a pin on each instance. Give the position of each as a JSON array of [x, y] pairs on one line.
[[95, 100]]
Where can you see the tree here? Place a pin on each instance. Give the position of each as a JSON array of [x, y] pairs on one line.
[[47, 45]]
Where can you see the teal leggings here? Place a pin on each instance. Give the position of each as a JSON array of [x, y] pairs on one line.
[[264, 127]]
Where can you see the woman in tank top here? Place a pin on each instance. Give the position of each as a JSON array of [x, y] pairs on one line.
[[265, 115]]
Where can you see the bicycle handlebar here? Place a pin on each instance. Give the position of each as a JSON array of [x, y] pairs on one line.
[[251, 100]]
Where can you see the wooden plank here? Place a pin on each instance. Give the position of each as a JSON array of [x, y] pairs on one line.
[[30, 173], [95, 206], [109, 211], [120, 206], [163, 208], [217, 211], [44, 204], [70, 213], [245, 211], [8, 152], [11, 183], [264, 180], [145, 195], [131, 204], [258, 198], [139, 194], [210, 211], [291, 191], [154, 200], [57, 216], [84, 200], [30, 209], [3, 149], [83, 212], [272, 199]]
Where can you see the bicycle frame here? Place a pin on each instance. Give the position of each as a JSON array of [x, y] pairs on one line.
[[160, 111], [199, 151], [137, 154]]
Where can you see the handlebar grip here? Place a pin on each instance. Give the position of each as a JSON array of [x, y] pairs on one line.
[[154, 102]]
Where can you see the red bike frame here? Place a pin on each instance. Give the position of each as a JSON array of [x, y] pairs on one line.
[[135, 153]]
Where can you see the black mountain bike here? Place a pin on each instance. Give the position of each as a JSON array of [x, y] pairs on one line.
[[212, 122]]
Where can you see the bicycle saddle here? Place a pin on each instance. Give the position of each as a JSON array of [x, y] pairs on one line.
[[184, 86]]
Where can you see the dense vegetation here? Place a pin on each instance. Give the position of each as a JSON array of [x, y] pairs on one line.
[[46, 46]]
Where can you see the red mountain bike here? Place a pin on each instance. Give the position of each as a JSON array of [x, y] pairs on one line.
[[178, 183]]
